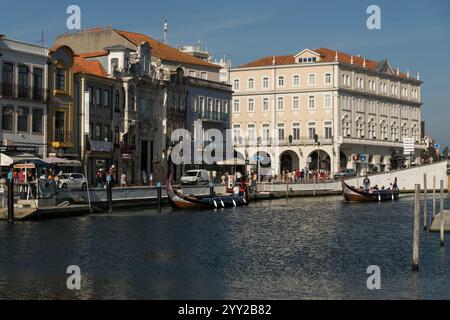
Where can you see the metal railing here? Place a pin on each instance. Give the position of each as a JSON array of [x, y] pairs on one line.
[[62, 136], [12, 90], [245, 141]]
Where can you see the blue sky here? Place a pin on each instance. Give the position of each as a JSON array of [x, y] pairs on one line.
[[415, 35]]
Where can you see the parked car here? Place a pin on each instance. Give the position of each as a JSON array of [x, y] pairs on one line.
[[345, 173], [195, 177], [69, 181]]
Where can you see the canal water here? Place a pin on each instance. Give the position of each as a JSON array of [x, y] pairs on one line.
[[300, 248]]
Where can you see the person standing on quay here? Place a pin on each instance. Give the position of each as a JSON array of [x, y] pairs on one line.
[[123, 179]]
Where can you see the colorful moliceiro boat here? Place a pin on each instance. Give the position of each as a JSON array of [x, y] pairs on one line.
[[359, 195], [181, 201]]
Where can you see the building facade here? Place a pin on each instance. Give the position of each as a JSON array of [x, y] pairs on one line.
[[23, 98], [324, 110], [158, 84]]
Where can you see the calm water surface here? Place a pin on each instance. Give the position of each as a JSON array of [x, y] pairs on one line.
[[302, 248]]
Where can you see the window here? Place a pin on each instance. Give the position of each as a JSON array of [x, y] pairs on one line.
[[106, 133], [311, 130], [280, 104], [281, 81], [114, 64], [204, 75], [106, 99], [360, 127], [280, 130], [346, 126], [265, 83], [23, 89], [237, 133], [394, 133], [236, 84], [383, 130], [236, 106], [8, 79], [295, 103], [37, 120], [327, 101], [7, 117], [60, 127], [37, 84], [202, 106], [251, 84], [266, 133], [22, 119], [209, 107], [266, 104], [328, 129], [60, 78], [98, 132], [91, 95], [371, 129], [311, 102], [327, 78], [405, 131], [251, 133], [296, 131], [296, 81], [98, 96], [117, 102], [251, 105], [311, 79], [131, 99], [192, 73]]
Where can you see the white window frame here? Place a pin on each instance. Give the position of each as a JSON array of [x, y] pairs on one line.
[[236, 103], [329, 96], [295, 101], [238, 86], [313, 75], [251, 101], [280, 99], [314, 102], [252, 81], [328, 74], [281, 79], [296, 80], [264, 100], [264, 86]]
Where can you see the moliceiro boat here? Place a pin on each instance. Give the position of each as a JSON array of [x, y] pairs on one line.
[[360, 195], [181, 201]]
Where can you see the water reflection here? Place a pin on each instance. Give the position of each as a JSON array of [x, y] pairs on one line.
[[310, 248]]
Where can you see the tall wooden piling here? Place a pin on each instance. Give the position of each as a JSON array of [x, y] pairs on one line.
[[159, 195], [442, 214], [415, 261], [109, 196], [434, 198], [425, 199], [11, 200]]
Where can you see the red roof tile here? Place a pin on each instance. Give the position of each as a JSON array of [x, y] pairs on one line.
[[92, 67], [163, 51], [327, 55]]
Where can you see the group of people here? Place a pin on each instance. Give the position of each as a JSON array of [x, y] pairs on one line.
[[367, 188]]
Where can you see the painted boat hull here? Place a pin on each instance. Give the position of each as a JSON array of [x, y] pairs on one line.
[[354, 195], [214, 202]]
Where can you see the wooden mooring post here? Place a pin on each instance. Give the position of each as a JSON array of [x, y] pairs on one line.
[[11, 199], [415, 261], [425, 199], [109, 196], [434, 198], [442, 213], [159, 195]]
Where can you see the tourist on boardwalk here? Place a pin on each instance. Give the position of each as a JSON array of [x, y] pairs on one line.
[[144, 178], [214, 176], [112, 173], [123, 179], [366, 183]]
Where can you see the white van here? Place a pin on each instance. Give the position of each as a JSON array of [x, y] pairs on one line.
[[195, 177]]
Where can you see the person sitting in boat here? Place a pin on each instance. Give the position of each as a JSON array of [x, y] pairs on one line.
[[376, 187], [366, 183], [236, 190]]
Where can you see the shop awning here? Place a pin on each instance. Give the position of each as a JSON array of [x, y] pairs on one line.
[[62, 162], [8, 158]]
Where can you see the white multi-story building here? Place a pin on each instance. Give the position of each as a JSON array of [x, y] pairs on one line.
[[23, 99], [343, 110]]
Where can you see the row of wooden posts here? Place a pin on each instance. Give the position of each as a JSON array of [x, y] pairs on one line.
[[426, 223]]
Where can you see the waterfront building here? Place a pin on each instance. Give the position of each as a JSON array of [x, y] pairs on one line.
[[324, 109], [23, 100], [157, 95], [63, 126]]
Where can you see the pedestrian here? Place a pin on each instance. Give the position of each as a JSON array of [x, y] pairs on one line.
[[150, 178], [123, 179], [144, 178], [366, 183], [214, 176]]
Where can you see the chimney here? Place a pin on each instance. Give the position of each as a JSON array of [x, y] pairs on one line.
[[351, 60], [407, 73], [398, 71], [336, 58], [273, 61], [364, 63]]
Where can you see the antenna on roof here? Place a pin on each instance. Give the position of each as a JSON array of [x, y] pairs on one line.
[[166, 32], [418, 76]]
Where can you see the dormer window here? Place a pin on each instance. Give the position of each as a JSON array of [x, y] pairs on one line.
[[308, 60], [114, 64], [60, 78]]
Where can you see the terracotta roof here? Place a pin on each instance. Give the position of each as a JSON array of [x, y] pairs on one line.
[[327, 55], [93, 54], [163, 51], [92, 67]]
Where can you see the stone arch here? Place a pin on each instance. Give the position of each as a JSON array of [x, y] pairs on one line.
[[343, 160], [289, 161], [319, 159]]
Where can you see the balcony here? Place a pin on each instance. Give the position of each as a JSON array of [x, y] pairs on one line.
[[62, 139], [214, 116], [13, 91], [127, 151], [100, 146], [242, 142]]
